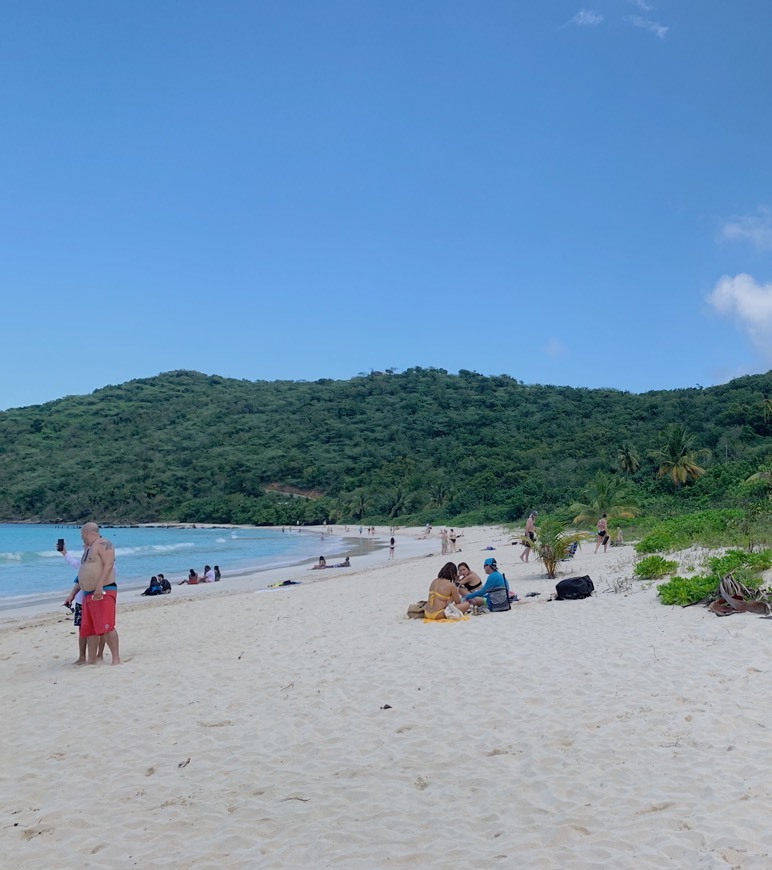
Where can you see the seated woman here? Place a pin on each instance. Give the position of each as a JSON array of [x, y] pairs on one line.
[[322, 563], [468, 581], [192, 578], [442, 591], [155, 587]]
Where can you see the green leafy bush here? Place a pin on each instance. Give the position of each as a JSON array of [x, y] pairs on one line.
[[654, 566], [706, 528], [734, 559], [745, 568], [687, 590]]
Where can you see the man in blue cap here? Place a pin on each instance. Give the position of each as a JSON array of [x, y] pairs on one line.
[[495, 580]]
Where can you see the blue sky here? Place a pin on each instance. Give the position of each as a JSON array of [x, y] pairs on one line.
[[566, 193]]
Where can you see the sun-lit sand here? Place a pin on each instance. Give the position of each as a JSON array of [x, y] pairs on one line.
[[317, 726]]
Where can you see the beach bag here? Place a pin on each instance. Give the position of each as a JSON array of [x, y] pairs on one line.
[[574, 587], [452, 612], [416, 611], [498, 598]]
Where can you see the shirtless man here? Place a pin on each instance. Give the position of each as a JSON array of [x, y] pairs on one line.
[[96, 578]]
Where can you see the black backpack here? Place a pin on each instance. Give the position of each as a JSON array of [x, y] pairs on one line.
[[574, 587]]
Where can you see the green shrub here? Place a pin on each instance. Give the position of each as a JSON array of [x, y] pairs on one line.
[[706, 528], [654, 566], [687, 590], [744, 567], [734, 559]]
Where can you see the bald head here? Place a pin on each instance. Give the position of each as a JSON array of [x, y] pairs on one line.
[[89, 532]]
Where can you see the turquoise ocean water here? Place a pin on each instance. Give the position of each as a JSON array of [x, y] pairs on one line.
[[31, 569]]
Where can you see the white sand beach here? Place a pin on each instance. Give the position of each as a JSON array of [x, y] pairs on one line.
[[316, 726]]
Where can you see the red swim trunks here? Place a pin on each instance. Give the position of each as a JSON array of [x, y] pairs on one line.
[[98, 617]]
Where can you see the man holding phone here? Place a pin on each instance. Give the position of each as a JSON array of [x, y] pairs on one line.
[[75, 600], [96, 578]]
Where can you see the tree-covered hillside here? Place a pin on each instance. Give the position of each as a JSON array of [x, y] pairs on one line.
[[421, 445]]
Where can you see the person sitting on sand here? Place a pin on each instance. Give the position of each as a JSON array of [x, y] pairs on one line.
[[166, 586], [468, 581], [208, 575], [322, 563], [192, 579], [155, 587], [443, 591], [493, 581], [344, 564], [217, 574]]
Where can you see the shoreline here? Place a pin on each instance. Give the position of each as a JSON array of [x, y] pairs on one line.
[[364, 549], [299, 727]]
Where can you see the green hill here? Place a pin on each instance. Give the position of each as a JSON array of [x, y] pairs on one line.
[[416, 446]]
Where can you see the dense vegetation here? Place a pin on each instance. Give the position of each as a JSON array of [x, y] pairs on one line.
[[418, 446], [745, 567]]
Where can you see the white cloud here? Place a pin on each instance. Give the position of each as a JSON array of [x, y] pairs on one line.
[[642, 4], [554, 348], [756, 229], [586, 18], [647, 24], [750, 304]]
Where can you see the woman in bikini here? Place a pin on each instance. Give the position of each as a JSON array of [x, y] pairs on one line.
[[468, 581], [442, 591], [603, 536]]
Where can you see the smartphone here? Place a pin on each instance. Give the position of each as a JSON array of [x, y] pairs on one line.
[[60, 544]]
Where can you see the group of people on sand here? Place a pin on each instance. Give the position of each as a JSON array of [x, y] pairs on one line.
[[159, 585], [528, 541], [322, 563], [449, 540], [459, 586], [208, 575]]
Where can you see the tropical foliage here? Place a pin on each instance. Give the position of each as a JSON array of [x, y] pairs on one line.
[[745, 567], [418, 446], [654, 566], [678, 459], [605, 494], [629, 461], [553, 544]]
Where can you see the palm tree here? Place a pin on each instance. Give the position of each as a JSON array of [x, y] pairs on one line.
[[360, 504], [441, 491], [396, 500], [766, 409], [629, 461], [677, 457], [554, 541], [605, 494]]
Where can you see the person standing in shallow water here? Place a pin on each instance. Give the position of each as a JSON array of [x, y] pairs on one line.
[[391, 549]]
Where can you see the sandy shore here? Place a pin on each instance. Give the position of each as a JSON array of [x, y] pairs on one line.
[[316, 726]]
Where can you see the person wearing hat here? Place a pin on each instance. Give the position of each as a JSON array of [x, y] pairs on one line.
[[494, 580]]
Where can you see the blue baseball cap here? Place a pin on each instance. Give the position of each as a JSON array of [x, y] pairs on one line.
[[490, 561]]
